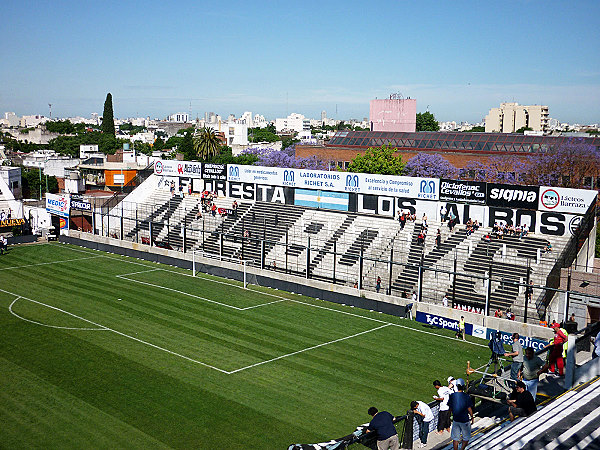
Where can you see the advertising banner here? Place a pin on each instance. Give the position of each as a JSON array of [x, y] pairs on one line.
[[64, 223], [574, 201], [80, 205], [178, 168], [11, 222], [442, 322], [512, 196], [460, 191], [58, 204], [214, 171], [536, 344], [362, 183]]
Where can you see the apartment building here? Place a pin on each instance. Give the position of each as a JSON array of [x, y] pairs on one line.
[[511, 117]]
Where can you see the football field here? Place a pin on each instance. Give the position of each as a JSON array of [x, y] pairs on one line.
[[104, 351]]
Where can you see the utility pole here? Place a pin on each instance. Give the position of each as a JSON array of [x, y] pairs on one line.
[[50, 106]]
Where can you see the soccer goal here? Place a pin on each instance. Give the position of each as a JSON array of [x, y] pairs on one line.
[[249, 278]]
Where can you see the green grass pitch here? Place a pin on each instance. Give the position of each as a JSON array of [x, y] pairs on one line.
[[103, 351]]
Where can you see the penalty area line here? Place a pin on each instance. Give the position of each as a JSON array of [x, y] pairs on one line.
[[309, 348]]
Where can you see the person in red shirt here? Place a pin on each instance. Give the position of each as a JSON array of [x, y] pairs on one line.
[[555, 359]]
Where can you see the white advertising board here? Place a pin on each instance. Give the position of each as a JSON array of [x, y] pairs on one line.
[[565, 200], [58, 204], [362, 183], [169, 167]]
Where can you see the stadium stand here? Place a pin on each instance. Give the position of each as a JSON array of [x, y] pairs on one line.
[[345, 247]]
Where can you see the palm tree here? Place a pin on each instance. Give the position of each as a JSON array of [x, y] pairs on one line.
[[206, 143]]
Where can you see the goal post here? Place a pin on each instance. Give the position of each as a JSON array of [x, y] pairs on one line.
[[197, 254]]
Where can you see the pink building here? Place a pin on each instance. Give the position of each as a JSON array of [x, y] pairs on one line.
[[393, 115]]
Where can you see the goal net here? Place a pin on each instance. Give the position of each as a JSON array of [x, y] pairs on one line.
[[248, 278]]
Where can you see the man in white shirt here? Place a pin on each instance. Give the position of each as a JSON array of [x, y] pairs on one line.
[[423, 410], [445, 301], [444, 393]]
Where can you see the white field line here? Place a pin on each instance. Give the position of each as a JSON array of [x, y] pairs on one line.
[[102, 327], [300, 302], [237, 308], [52, 326], [123, 275], [51, 262], [307, 349]]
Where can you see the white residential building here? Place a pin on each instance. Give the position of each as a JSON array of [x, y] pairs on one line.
[[32, 121], [179, 117], [511, 117], [11, 119], [294, 122], [235, 133]]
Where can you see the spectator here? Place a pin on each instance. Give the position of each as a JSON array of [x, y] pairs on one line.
[[404, 294], [462, 409], [424, 220], [461, 329], [596, 342], [378, 285], [452, 384], [529, 372], [424, 416], [213, 210], [421, 238], [414, 297], [543, 322], [383, 424], [445, 301], [443, 213], [572, 318], [548, 247], [3, 244], [517, 356], [234, 207], [521, 402], [402, 220], [438, 238], [443, 394], [556, 345], [356, 285], [529, 291]]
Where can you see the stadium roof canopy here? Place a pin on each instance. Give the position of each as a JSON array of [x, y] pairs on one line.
[[444, 141]]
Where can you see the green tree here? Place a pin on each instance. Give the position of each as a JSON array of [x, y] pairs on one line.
[[30, 180], [206, 143], [60, 126], [426, 122], [187, 147], [262, 135], [476, 130], [108, 121], [522, 130], [378, 160], [159, 144]]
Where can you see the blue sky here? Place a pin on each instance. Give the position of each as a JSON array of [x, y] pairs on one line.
[[458, 59]]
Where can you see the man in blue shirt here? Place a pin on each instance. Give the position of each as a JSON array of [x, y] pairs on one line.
[[462, 409], [383, 424]]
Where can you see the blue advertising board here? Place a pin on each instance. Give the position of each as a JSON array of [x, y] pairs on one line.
[[478, 331], [441, 322], [536, 344]]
